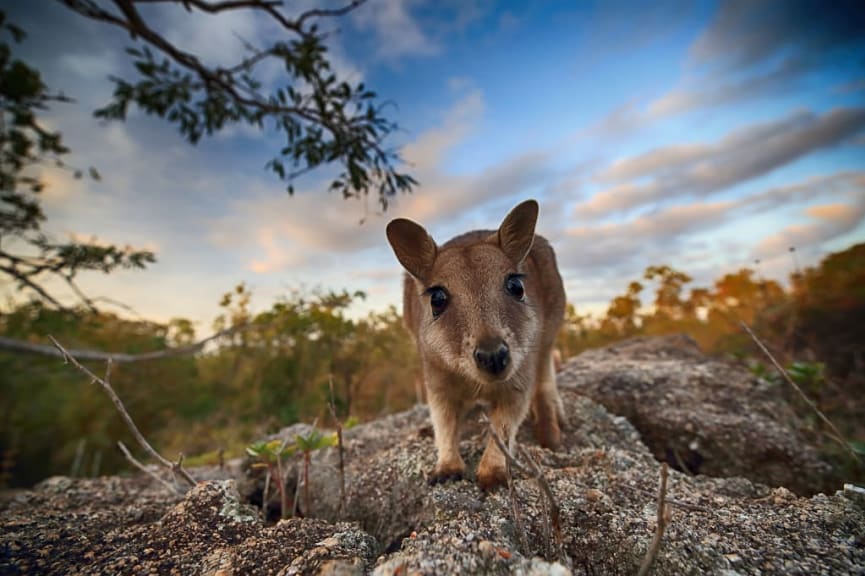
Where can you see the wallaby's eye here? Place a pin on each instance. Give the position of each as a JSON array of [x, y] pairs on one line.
[[438, 300], [514, 286]]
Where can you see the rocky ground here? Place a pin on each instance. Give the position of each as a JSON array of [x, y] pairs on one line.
[[734, 507]]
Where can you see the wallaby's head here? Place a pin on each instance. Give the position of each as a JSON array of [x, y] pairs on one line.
[[476, 304]]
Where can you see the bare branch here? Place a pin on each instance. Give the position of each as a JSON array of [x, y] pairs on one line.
[[70, 281], [512, 465], [334, 124], [555, 514], [120, 358], [145, 469], [177, 468], [25, 281], [663, 519], [138, 28], [534, 471], [501, 445], [836, 434], [319, 13]]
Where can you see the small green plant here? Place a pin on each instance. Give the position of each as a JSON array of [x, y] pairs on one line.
[[269, 455], [858, 447], [764, 373], [808, 375]]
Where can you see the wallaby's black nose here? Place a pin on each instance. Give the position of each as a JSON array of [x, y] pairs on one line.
[[492, 355]]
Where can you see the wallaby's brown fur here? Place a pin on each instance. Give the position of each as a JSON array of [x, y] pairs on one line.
[[484, 309]]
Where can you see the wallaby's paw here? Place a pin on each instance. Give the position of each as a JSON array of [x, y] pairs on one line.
[[547, 429], [443, 474], [548, 434], [490, 477]]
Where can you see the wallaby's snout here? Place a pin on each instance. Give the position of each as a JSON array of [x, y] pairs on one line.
[[493, 355]]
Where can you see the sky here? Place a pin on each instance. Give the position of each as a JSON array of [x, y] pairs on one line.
[[702, 135]]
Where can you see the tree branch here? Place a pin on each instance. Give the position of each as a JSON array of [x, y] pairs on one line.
[[663, 519], [132, 460], [534, 471], [25, 281], [137, 27], [334, 123], [177, 468], [120, 358]]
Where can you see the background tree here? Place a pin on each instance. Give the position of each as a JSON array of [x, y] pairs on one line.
[[669, 306], [622, 319], [27, 255]]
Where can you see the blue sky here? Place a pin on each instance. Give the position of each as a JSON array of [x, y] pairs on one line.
[[701, 135]]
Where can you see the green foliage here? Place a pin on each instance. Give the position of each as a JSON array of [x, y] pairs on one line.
[[808, 375], [24, 144], [821, 317], [269, 451], [764, 372], [277, 368], [270, 374]]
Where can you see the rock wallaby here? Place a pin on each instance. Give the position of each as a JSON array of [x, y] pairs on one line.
[[484, 310]]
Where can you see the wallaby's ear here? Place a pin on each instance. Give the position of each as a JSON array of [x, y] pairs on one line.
[[517, 232], [414, 247]]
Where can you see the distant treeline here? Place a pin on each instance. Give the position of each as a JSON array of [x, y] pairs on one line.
[[278, 366]]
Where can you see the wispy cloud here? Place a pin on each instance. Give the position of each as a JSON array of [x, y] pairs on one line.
[[398, 32], [644, 239], [700, 93], [216, 39], [744, 33], [751, 50], [699, 170], [283, 233], [426, 153], [826, 222]]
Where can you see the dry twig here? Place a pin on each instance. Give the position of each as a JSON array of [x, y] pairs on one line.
[[554, 511], [132, 460], [512, 465], [663, 520], [45, 350], [177, 468], [836, 434], [515, 510], [534, 471]]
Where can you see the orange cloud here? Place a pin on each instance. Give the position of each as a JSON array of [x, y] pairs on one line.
[[830, 211]]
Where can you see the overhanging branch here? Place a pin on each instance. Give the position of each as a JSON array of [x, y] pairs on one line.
[[120, 358]]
